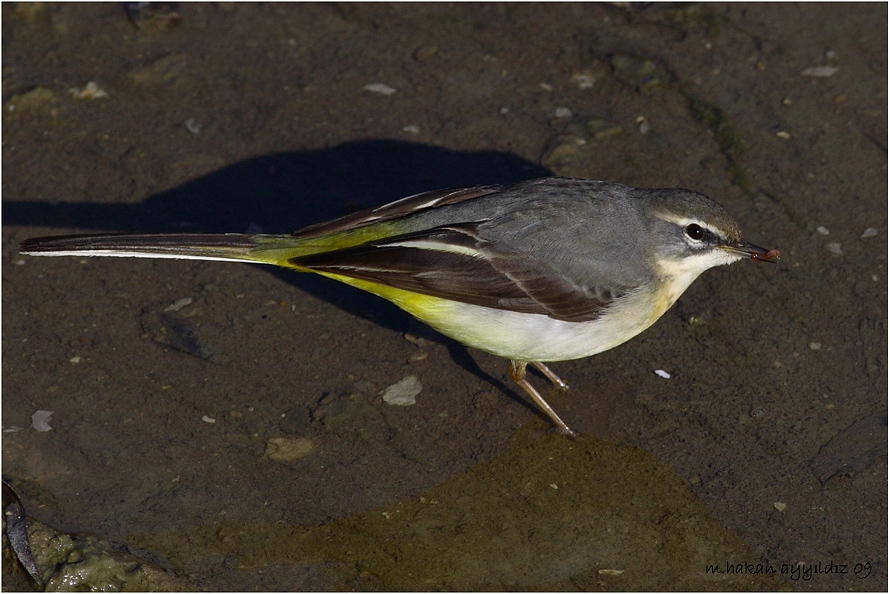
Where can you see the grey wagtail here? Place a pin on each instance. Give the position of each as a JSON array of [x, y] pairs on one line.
[[543, 270]]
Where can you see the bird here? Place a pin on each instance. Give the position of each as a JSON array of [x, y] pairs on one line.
[[542, 270]]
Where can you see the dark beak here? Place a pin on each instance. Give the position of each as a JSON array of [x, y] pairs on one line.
[[756, 253]]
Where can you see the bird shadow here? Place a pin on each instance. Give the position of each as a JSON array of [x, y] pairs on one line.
[[282, 192]]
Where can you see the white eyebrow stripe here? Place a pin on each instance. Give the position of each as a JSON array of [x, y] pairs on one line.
[[683, 221], [672, 218]]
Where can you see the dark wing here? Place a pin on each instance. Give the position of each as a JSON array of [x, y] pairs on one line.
[[395, 210], [452, 262], [561, 297]]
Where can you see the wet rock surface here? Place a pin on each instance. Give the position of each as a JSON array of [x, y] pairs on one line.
[[252, 117]]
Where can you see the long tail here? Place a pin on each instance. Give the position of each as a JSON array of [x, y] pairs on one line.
[[265, 249]]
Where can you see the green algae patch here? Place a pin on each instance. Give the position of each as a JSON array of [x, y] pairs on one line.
[[552, 513], [86, 562], [731, 144]]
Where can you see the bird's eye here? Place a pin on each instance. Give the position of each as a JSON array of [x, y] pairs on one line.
[[695, 232]]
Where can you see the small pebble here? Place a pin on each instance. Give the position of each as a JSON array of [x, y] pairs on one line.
[[815, 346], [546, 87], [870, 232], [783, 135], [584, 81], [418, 340], [91, 91], [74, 360], [285, 449], [207, 419], [835, 248], [179, 304], [779, 506], [192, 126], [425, 52], [662, 373], [411, 129], [379, 88], [820, 71], [40, 420], [403, 392], [563, 112], [822, 231]]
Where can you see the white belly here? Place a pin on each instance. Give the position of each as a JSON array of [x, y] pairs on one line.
[[534, 337]]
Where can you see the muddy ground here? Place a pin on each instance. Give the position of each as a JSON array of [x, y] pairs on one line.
[[240, 439]]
